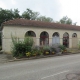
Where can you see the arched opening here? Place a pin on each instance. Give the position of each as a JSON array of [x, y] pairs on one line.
[[66, 39], [32, 35], [44, 38], [74, 40], [55, 38], [74, 35]]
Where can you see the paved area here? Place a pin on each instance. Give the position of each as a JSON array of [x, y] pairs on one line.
[[5, 58], [72, 76], [52, 68]]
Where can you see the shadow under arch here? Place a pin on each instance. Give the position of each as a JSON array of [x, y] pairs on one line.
[[30, 34], [74, 35], [66, 39], [44, 38]]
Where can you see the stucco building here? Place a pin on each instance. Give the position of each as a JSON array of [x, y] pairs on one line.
[[43, 33]]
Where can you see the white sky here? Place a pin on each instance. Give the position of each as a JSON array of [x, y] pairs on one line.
[[55, 9]]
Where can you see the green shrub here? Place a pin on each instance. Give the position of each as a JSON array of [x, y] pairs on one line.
[[19, 48], [62, 47], [28, 41], [52, 49], [28, 54], [40, 52], [46, 49], [34, 52]]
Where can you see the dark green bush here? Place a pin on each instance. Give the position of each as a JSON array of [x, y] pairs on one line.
[[36, 51], [62, 47], [52, 49], [46, 49], [19, 48], [28, 41]]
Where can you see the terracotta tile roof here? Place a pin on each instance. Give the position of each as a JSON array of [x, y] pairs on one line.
[[32, 23]]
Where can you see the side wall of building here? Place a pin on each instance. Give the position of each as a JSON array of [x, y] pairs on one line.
[[20, 31]]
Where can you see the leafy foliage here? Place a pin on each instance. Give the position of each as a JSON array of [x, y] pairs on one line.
[[28, 54], [62, 47], [66, 20], [46, 19], [20, 48], [52, 49], [29, 14], [47, 48], [26, 48], [6, 15], [28, 41]]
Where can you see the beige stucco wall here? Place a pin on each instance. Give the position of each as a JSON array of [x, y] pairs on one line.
[[19, 31]]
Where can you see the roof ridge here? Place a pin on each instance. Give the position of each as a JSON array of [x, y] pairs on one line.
[[34, 23]]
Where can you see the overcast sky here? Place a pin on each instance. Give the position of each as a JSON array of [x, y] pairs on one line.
[[55, 9]]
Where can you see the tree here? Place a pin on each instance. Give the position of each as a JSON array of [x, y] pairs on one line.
[[46, 19], [29, 14], [6, 15], [65, 20], [34, 15], [16, 13]]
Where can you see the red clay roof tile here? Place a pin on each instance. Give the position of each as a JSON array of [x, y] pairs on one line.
[[33, 23]]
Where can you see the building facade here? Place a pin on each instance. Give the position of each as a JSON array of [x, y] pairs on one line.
[[43, 33]]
